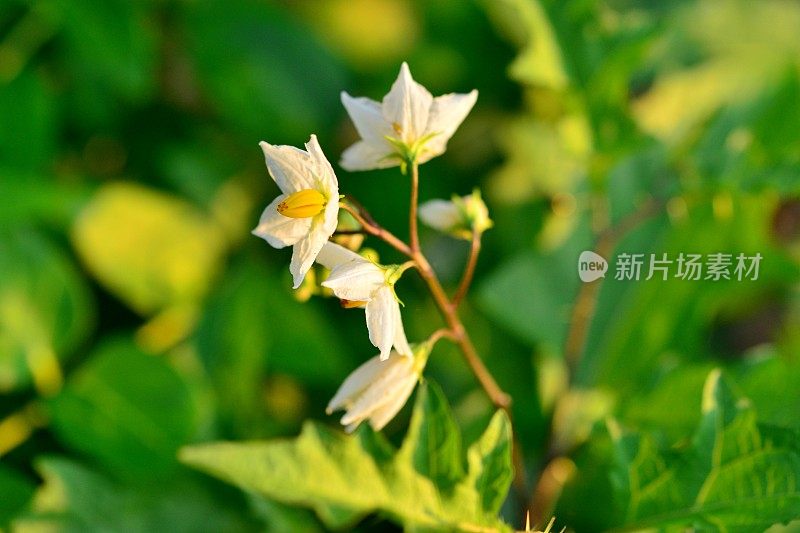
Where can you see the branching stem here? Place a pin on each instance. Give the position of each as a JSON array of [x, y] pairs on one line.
[[469, 271], [371, 227]]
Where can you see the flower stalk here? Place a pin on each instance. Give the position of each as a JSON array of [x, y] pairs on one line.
[[469, 270], [447, 308], [412, 220]]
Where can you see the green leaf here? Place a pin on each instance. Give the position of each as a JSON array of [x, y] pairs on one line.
[[433, 442], [28, 133], [526, 23], [168, 256], [75, 498], [28, 199], [129, 410], [735, 476], [344, 477], [44, 311], [489, 459], [111, 45], [532, 294], [240, 348], [16, 490], [271, 84]]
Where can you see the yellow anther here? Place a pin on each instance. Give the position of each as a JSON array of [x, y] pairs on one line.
[[397, 128], [352, 304], [302, 204]]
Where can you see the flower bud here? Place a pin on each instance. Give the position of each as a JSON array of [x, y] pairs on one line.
[[459, 217], [377, 390]]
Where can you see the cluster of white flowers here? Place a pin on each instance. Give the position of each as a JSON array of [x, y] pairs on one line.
[[408, 126]]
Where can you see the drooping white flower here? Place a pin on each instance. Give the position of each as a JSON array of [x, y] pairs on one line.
[[458, 217], [409, 124], [361, 283], [378, 389], [305, 214]]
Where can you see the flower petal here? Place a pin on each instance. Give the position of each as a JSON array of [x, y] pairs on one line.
[[441, 215], [382, 415], [400, 341], [330, 217], [332, 255], [407, 106], [278, 230], [355, 383], [290, 167], [446, 115], [355, 280], [381, 391], [323, 171], [367, 117], [366, 156], [382, 315], [305, 250]]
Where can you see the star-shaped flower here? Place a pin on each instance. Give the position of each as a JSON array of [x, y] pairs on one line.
[[359, 282], [378, 389], [305, 214], [410, 124]]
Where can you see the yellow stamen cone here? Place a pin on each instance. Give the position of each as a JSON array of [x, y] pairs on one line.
[[302, 204], [352, 304]]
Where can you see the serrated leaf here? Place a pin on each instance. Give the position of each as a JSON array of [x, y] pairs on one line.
[[129, 410], [735, 476], [433, 442], [344, 477]]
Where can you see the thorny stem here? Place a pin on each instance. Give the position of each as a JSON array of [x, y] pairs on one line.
[[469, 271], [554, 473]]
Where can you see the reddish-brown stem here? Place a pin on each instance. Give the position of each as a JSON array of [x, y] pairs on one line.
[[583, 309], [547, 488], [441, 333], [349, 232], [374, 229], [448, 309], [469, 271], [460, 336]]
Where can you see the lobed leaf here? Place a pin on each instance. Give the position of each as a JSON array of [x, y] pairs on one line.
[[734, 476], [345, 477]]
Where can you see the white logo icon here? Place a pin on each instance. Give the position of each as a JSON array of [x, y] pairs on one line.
[[591, 266]]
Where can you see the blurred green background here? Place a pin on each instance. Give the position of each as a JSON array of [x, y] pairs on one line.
[[137, 313]]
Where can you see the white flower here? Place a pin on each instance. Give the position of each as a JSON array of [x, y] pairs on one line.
[[458, 217], [362, 283], [305, 214], [378, 389], [408, 124]]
